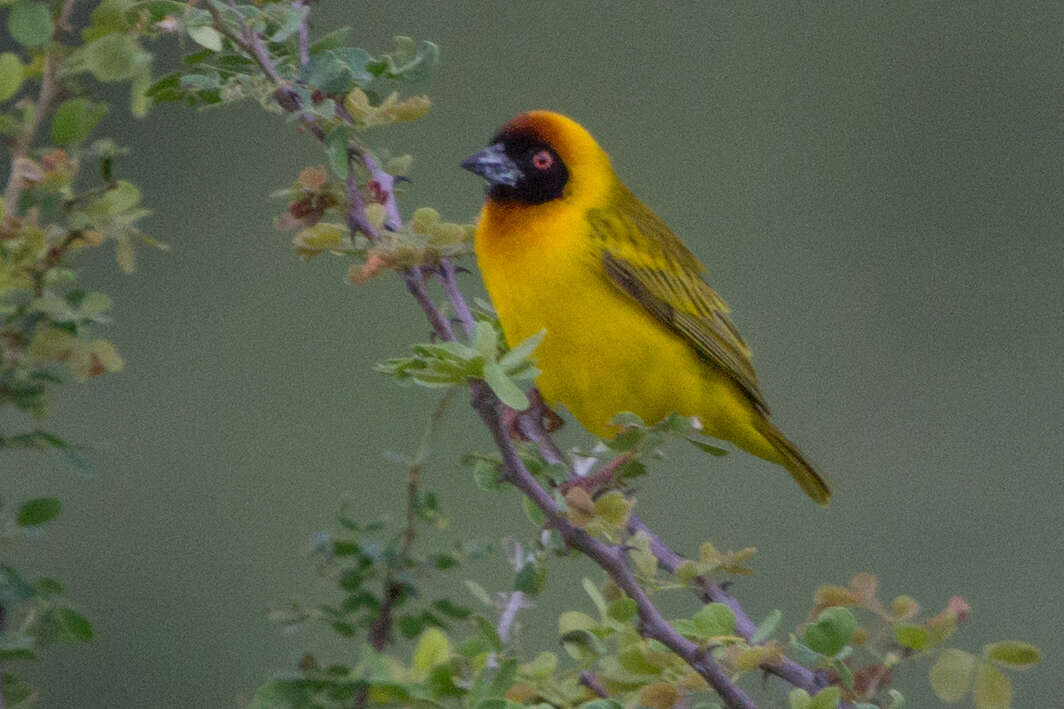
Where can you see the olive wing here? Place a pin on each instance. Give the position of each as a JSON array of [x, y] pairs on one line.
[[648, 262]]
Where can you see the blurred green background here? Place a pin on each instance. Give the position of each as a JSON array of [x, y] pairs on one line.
[[876, 189]]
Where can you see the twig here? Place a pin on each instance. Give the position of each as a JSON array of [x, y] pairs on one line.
[[51, 260], [42, 107], [91, 192], [304, 36], [386, 187], [252, 41], [356, 206], [415, 283], [514, 602], [710, 592], [588, 680], [611, 558], [509, 614], [63, 21], [450, 287], [380, 632]]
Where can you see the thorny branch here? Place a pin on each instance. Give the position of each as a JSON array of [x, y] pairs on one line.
[[42, 107], [380, 632], [611, 558]]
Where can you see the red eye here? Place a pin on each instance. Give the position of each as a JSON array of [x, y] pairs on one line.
[[542, 160]]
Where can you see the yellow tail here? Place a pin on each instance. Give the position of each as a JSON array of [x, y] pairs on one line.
[[792, 459]]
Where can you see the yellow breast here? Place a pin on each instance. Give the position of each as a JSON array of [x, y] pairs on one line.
[[602, 353]]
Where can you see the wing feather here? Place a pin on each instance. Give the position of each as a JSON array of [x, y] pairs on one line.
[[648, 262]]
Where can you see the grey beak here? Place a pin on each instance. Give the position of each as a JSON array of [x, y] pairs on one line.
[[494, 165]]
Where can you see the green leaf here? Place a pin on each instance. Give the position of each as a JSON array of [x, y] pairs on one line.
[[206, 36], [486, 476], [10, 75], [331, 40], [407, 61], [450, 609], [843, 671], [1013, 654], [706, 447], [600, 704], [292, 18], [622, 610], [627, 418], [833, 629], [826, 698], [523, 351], [433, 648], [508, 392], [714, 620], [594, 594], [488, 632], [17, 693], [527, 579], [582, 645], [109, 16], [337, 70], [533, 512], [799, 699], [38, 511], [911, 635], [766, 628], [72, 625], [354, 60], [993, 690], [486, 340], [336, 149], [569, 621], [16, 653], [75, 119], [30, 23], [113, 57], [48, 586], [478, 592], [139, 100], [13, 588], [951, 675], [897, 701], [504, 677]]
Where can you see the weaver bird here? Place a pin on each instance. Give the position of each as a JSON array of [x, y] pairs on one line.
[[564, 246]]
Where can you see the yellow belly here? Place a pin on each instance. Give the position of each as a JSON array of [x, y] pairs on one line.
[[604, 353]]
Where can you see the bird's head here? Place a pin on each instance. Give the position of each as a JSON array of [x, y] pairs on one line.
[[538, 157]]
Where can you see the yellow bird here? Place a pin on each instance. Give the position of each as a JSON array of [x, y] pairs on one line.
[[565, 247]]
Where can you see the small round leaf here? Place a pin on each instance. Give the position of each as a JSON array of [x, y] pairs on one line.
[[1013, 654], [714, 620], [993, 690], [951, 675], [911, 635], [75, 119], [10, 75], [30, 23], [833, 629]]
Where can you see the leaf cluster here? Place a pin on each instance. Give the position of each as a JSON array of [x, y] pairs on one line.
[[446, 364], [62, 197], [864, 656], [36, 614]]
